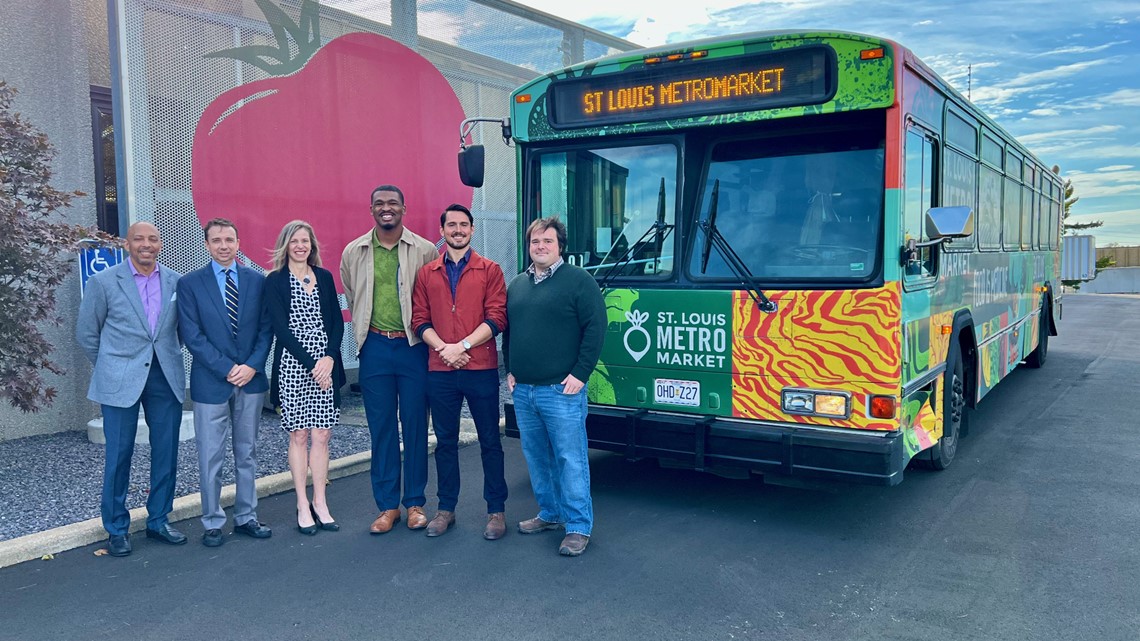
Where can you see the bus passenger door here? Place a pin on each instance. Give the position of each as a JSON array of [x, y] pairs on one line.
[[918, 198]]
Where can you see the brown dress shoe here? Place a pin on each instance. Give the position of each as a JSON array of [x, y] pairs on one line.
[[536, 525], [496, 526], [417, 520], [439, 523], [573, 544], [385, 521]]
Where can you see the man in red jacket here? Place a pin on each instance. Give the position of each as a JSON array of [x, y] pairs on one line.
[[459, 305]]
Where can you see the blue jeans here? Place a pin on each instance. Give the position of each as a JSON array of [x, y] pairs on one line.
[[120, 424], [393, 378], [446, 391], [552, 428]]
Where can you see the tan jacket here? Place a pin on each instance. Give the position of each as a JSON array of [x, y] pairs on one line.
[[357, 272]]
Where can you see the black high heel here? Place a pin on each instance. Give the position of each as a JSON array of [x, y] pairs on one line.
[[307, 530], [331, 526]]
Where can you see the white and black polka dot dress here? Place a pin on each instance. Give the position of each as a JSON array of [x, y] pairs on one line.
[[303, 403]]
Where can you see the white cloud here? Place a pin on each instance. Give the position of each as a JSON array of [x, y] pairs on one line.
[[1131, 216], [1003, 113], [1120, 226], [923, 23], [1100, 184], [955, 67], [1123, 98], [654, 21], [1063, 71], [995, 95], [1047, 136], [1101, 152], [1047, 111], [1080, 49], [1115, 168], [445, 26]]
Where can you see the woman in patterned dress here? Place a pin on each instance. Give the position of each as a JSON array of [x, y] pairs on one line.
[[302, 307]]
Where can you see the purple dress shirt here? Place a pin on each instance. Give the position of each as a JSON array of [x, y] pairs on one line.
[[150, 291]]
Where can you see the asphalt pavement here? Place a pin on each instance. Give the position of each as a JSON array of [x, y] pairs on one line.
[[1029, 535]]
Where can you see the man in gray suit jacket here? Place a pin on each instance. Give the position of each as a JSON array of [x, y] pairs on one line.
[[220, 317], [128, 326]]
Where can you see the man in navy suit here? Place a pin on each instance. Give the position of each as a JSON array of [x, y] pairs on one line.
[[220, 317], [128, 328]]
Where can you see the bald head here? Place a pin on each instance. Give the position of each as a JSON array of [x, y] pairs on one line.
[[144, 245], [142, 226]]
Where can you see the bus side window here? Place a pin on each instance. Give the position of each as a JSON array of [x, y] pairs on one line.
[[918, 198]]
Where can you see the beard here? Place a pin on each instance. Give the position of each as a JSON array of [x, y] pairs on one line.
[[457, 244]]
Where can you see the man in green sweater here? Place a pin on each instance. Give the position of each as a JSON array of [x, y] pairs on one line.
[[556, 322]]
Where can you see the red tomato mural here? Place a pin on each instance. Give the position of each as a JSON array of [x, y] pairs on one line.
[[363, 111]]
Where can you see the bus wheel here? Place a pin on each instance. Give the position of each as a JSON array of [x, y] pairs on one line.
[[1037, 358], [954, 412]]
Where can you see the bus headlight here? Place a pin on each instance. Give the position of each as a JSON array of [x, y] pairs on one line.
[[798, 402], [826, 403]]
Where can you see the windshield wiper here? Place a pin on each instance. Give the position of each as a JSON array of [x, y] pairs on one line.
[[659, 227], [713, 238]]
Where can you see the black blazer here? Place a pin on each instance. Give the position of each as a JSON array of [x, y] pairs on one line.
[[278, 298]]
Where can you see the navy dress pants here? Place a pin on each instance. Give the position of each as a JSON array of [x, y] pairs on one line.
[[120, 425], [393, 380]]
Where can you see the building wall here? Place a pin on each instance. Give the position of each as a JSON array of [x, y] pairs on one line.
[[1124, 256], [1114, 280], [43, 46], [93, 14]]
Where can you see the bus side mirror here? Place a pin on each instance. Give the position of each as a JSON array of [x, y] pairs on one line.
[[471, 162], [942, 224], [949, 222]]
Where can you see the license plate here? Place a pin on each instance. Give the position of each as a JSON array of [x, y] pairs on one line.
[[671, 392]]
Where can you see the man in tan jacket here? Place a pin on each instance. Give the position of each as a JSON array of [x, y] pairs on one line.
[[378, 271]]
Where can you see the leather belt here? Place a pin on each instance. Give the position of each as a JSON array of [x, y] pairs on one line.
[[387, 334]]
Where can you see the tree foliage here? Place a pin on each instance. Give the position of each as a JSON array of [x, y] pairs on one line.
[[1067, 205], [35, 257]]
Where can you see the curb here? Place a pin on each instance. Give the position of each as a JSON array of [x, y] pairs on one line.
[[77, 535]]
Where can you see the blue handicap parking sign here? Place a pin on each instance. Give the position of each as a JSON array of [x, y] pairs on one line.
[[93, 260]]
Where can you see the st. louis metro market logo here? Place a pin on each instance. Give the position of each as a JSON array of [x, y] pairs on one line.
[[687, 339]]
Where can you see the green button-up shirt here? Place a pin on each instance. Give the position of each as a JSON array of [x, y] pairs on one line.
[[386, 314]]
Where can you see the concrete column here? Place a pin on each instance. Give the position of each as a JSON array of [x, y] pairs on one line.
[[404, 22]]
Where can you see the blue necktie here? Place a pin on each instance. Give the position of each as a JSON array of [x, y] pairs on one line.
[[231, 301]]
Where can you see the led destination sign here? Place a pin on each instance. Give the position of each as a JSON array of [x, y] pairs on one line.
[[800, 76]]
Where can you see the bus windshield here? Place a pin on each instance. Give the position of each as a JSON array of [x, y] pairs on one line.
[[808, 207], [611, 199]]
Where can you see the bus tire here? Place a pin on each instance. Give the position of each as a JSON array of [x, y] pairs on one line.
[[1037, 357], [954, 411]]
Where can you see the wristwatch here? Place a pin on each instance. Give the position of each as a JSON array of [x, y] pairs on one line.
[[466, 344]]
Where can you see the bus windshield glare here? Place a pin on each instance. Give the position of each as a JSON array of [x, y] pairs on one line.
[[803, 208], [610, 199]]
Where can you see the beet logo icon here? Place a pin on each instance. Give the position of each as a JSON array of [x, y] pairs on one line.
[[330, 124], [637, 318]]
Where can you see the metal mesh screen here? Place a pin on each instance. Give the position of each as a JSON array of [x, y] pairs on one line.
[[483, 50], [487, 31], [594, 49]]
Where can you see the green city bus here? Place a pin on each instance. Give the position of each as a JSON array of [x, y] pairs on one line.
[[816, 255]]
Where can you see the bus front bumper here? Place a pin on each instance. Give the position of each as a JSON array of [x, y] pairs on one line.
[[709, 442]]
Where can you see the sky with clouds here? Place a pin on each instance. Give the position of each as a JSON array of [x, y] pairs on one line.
[[1064, 77]]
